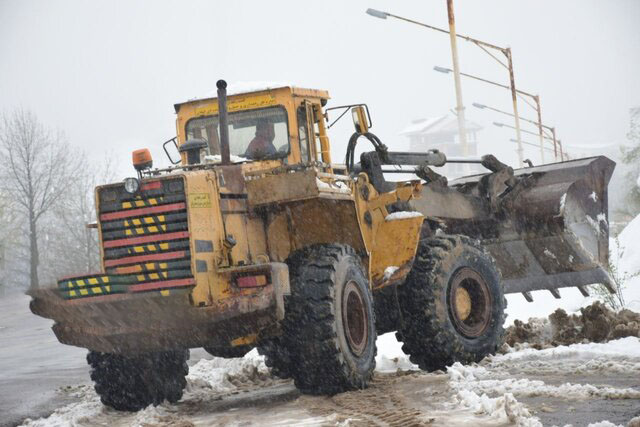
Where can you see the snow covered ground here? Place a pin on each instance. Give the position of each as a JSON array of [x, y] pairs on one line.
[[528, 387], [629, 262]]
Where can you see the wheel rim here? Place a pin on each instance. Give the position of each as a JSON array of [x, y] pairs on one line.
[[355, 318], [470, 303]]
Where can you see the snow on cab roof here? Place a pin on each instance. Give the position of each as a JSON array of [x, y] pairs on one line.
[[238, 88]]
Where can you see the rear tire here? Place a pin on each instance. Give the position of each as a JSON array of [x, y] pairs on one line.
[[452, 304], [132, 383], [329, 325]]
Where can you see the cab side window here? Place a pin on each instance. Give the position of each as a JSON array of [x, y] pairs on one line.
[[303, 135]]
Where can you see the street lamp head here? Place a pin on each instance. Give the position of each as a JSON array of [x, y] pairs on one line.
[[481, 106], [498, 124], [442, 69], [377, 13]]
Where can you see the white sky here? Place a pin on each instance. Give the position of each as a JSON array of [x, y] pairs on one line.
[[109, 72]]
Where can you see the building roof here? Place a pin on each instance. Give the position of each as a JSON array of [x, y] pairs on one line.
[[447, 124]]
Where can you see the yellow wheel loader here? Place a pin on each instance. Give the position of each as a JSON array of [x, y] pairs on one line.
[[254, 238]]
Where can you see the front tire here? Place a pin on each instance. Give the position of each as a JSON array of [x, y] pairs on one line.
[[329, 325], [131, 383], [452, 304]]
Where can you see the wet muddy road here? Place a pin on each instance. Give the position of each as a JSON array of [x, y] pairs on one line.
[[574, 385]]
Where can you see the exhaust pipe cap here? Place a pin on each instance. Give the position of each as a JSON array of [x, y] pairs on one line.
[[221, 84]]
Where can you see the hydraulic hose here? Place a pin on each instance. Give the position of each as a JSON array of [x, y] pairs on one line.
[[351, 148]]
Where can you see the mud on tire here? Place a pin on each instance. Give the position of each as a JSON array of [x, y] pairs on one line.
[[133, 383], [329, 328], [452, 304]]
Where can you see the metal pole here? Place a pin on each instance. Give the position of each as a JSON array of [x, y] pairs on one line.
[[225, 155], [514, 97], [555, 143], [539, 110], [431, 27], [456, 76]]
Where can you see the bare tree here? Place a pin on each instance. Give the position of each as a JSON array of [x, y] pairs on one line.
[[8, 233], [40, 167], [67, 233]]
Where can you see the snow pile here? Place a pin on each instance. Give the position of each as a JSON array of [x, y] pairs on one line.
[[629, 262], [222, 375], [604, 424], [217, 158], [390, 356], [594, 323], [536, 332], [402, 215], [88, 407], [237, 88], [490, 387], [615, 357], [563, 201], [481, 380], [634, 422], [625, 347], [504, 408], [336, 186], [389, 271]]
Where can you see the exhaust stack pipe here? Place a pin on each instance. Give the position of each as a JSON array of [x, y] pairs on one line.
[[224, 127]]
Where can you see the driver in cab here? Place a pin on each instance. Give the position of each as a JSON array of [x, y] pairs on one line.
[[261, 145]]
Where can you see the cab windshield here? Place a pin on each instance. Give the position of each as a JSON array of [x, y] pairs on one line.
[[254, 134]]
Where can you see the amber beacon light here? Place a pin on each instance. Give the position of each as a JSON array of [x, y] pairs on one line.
[[142, 159]]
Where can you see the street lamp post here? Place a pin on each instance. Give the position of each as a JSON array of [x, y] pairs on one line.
[[537, 101], [518, 92], [482, 45], [514, 98], [454, 53], [456, 77], [538, 123]]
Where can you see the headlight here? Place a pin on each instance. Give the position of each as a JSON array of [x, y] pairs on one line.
[[131, 185]]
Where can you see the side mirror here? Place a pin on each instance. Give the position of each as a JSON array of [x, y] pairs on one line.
[[360, 119]]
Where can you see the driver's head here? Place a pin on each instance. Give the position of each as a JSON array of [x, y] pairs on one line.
[[265, 129]]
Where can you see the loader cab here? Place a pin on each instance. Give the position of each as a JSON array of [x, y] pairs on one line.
[[276, 126]]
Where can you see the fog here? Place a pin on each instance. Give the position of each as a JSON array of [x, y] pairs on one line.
[[107, 73]]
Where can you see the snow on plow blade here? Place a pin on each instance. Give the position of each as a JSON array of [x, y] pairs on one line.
[[546, 226]]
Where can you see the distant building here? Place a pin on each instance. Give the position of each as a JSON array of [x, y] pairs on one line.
[[441, 133]]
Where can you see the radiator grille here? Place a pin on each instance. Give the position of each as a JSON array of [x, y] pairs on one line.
[[145, 242]]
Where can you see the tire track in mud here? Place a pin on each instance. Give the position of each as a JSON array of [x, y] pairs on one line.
[[384, 403]]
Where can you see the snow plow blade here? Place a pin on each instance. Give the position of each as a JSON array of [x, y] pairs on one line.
[[546, 226]]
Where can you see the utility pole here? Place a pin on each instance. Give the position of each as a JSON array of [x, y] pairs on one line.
[[514, 98], [456, 76], [540, 131]]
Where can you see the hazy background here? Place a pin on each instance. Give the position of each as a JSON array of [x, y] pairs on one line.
[[109, 72]]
